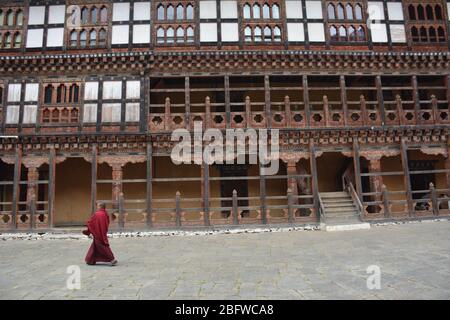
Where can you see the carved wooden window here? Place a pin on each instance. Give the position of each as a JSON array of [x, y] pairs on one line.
[[266, 35], [426, 23], [261, 22], [11, 23], [90, 25], [60, 103], [174, 23], [170, 12], [345, 22], [180, 35], [253, 11]]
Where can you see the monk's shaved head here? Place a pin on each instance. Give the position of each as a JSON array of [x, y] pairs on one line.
[[101, 205]]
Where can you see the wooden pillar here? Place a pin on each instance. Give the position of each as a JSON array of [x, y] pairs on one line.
[[33, 177], [94, 166], [16, 186], [385, 197], [404, 156], [149, 169], [292, 181], [434, 107], [248, 111], [187, 102], [51, 186], [287, 111], [357, 167], [400, 112], [364, 114], [306, 100], [117, 177], [267, 101], [262, 195], [376, 182], [227, 102], [344, 99], [207, 113], [326, 111], [314, 177], [205, 192], [167, 115], [380, 99], [416, 99]]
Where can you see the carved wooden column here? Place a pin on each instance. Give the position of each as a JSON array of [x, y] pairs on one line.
[[33, 177], [376, 182], [167, 115], [207, 112], [117, 176], [292, 181], [287, 111], [248, 111], [205, 192]]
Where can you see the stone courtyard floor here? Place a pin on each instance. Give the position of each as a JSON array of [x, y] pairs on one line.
[[414, 261]]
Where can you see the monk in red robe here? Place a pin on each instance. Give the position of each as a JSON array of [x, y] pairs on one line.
[[97, 226]]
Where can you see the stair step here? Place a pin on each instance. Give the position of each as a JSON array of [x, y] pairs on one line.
[[340, 209], [339, 205], [338, 200], [335, 198], [342, 216], [334, 194]]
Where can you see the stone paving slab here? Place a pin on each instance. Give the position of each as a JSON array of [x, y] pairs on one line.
[[414, 260]]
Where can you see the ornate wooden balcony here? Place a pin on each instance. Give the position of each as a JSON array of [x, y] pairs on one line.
[[321, 115]]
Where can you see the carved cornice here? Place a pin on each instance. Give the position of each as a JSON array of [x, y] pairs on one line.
[[34, 162], [214, 61], [434, 151], [121, 160], [378, 154]]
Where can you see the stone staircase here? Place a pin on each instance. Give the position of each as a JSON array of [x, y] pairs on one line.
[[340, 211]]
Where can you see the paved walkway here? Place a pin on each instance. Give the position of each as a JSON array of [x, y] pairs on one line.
[[414, 260]]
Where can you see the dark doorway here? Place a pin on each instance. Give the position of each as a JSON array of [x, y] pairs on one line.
[[421, 181], [227, 187]]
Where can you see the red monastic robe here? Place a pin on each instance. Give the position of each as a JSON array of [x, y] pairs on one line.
[[98, 227]]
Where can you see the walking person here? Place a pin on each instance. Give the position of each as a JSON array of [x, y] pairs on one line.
[[97, 226]]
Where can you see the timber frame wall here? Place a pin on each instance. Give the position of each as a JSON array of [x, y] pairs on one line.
[[367, 102]]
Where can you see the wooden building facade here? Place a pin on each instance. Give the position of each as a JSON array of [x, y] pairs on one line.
[[91, 90]]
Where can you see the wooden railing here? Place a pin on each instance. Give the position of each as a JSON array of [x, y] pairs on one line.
[[321, 114]]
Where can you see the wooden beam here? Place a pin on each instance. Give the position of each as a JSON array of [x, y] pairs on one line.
[[51, 186], [94, 165], [187, 102], [16, 186], [416, 99], [262, 195], [357, 167], [380, 100], [314, 178], [227, 102], [205, 189], [306, 100], [344, 99], [404, 156], [149, 184], [267, 106]]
